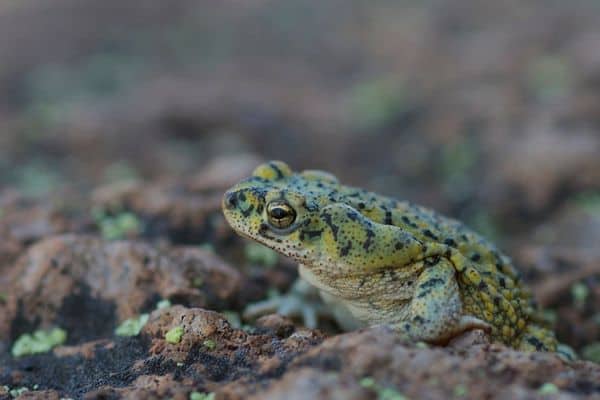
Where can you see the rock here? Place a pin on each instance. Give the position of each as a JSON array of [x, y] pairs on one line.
[[87, 286], [185, 211], [210, 357], [376, 360], [24, 221]]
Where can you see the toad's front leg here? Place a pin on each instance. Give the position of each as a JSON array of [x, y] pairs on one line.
[[435, 312]]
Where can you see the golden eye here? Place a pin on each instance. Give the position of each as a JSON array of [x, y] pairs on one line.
[[281, 215]]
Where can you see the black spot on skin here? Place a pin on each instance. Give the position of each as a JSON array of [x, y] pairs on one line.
[[399, 245], [388, 218], [450, 242], [407, 327], [539, 346], [363, 280], [277, 170], [500, 267], [482, 285], [310, 234], [408, 222], [369, 241], [346, 249], [418, 319], [246, 213], [259, 209], [476, 257], [334, 228], [361, 205], [464, 237], [352, 215], [502, 282], [262, 231], [429, 234], [242, 196], [497, 301], [431, 283]]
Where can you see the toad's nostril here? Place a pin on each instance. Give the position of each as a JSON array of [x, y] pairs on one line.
[[230, 200]]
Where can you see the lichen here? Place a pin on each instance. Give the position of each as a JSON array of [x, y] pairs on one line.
[[132, 326], [174, 335], [39, 342]]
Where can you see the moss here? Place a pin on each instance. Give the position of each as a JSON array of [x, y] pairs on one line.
[[548, 389], [592, 352], [202, 396], [132, 326], [383, 393], [197, 281], [207, 246], [460, 390], [210, 344], [588, 202], [118, 226], [38, 342], [16, 392], [163, 304], [174, 335], [258, 254], [580, 293]]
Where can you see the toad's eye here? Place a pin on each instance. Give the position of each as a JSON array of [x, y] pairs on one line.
[[281, 214]]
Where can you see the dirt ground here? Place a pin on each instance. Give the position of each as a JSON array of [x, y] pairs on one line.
[[121, 125]]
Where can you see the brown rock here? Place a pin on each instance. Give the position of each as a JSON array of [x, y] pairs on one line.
[[338, 366], [87, 285]]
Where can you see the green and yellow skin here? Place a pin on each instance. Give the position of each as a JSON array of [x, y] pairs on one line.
[[386, 261]]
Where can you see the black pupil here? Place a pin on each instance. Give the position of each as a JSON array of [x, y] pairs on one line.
[[279, 213]]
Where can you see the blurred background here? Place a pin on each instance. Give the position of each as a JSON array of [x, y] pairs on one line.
[[129, 119], [489, 112]]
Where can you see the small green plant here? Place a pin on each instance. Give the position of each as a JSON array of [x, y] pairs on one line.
[[256, 253], [16, 392], [118, 226], [174, 335], [132, 326], [460, 390], [588, 202], [548, 388], [163, 304], [202, 396], [383, 393], [38, 342], [579, 293], [591, 352], [209, 344]]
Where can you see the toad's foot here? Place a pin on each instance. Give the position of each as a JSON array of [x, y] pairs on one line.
[[302, 302]]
